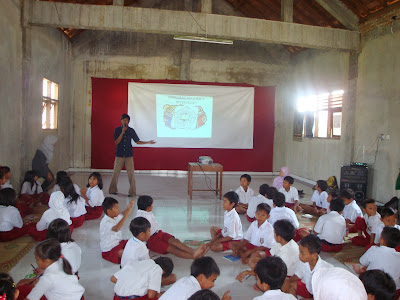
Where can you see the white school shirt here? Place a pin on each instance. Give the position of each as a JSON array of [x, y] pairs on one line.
[[150, 217], [95, 196], [331, 228], [135, 250], [49, 216], [76, 209], [232, 225], [262, 236], [275, 295], [137, 278], [244, 196], [320, 200], [304, 272], [372, 222], [72, 252], [254, 201], [289, 253], [351, 211], [10, 218], [7, 185], [55, 284], [283, 213], [292, 196], [182, 289], [27, 189], [385, 259], [377, 230], [108, 237]]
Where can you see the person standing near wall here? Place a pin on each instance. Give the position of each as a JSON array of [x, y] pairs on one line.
[[123, 135], [41, 160]]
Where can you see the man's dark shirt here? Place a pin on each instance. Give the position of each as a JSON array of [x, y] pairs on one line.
[[124, 148]]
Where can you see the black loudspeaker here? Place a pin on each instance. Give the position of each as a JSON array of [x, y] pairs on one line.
[[355, 177]]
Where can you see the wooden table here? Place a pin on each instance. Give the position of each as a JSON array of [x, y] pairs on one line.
[[196, 167]]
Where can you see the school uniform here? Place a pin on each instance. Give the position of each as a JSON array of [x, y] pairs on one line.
[[244, 196], [232, 228], [72, 252], [331, 229], [77, 210], [291, 196], [383, 258], [289, 253], [135, 250], [7, 185], [57, 188], [30, 193], [182, 289], [262, 236], [275, 295], [320, 199], [252, 208], [111, 241], [351, 211], [366, 225], [11, 224], [55, 284], [136, 278], [377, 230], [283, 213], [158, 241], [304, 273], [96, 198]]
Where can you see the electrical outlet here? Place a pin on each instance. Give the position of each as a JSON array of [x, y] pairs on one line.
[[387, 137], [382, 136]]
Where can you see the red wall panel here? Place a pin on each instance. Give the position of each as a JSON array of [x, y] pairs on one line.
[[110, 100]]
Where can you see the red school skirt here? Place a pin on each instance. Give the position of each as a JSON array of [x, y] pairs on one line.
[[15, 233], [78, 221], [93, 213], [41, 235]]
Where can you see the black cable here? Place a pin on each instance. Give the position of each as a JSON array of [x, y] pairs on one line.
[[208, 183]]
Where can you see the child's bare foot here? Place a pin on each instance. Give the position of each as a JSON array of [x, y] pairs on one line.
[[200, 252]]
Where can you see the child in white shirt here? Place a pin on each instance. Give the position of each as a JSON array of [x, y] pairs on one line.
[[388, 219], [258, 239], [73, 202], [378, 285], [291, 194], [351, 211], [111, 243], [6, 179], [280, 212], [366, 225], [163, 242], [31, 190], [265, 196], [142, 279], [93, 196], [319, 198], [245, 193], [59, 177], [232, 230], [271, 273], [310, 261]]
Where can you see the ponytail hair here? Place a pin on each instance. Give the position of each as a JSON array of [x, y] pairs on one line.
[[51, 249], [59, 229], [7, 286], [68, 189]]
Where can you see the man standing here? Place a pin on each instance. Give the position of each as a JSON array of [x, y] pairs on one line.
[[124, 154]]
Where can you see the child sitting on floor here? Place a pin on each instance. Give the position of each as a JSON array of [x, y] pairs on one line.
[[258, 239], [271, 273], [7, 287], [162, 242], [291, 194], [56, 210], [7, 176], [331, 228], [280, 212], [31, 190], [285, 248], [319, 198], [232, 230], [111, 243], [93, 196], [245, 193], [351, 210], [205, 295], [73, 202], [203, 272], [388, 219], [141, 279], [278, 181], [365, 225], [59, 176], [11, 223], [379, 285], [310, 261], [383, 257], [263, 197]]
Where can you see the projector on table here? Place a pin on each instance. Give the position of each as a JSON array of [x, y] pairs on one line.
[[205, 160]]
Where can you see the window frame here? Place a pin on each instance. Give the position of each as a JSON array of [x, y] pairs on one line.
[[46, 104]]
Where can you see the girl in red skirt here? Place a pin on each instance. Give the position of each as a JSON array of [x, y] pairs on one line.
[[73, 202]]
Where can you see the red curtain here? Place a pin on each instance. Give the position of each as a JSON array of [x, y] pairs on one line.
[[110, 100]]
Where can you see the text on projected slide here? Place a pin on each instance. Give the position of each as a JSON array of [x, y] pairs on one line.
[[184, 116]]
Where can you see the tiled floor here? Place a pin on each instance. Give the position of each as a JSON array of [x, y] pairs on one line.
[[177, 215]]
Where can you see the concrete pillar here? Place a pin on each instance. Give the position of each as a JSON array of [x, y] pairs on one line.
[[287, 11], [185, 60], [206, 6], [350, 108], [118, 2]]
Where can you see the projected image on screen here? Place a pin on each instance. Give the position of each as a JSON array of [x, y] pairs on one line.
[[184, 116]]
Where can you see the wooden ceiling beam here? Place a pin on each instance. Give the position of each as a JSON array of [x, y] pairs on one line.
[[341, 12]]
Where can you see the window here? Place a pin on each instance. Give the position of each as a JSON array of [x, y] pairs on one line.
[[49, 104], [319, 115]]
